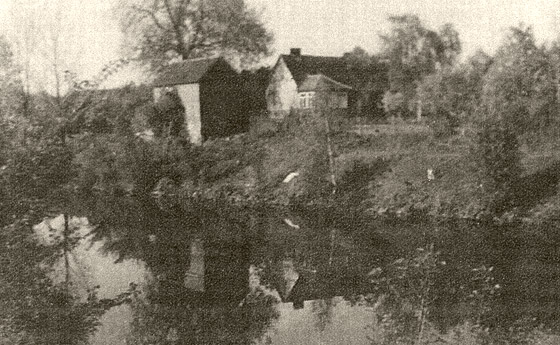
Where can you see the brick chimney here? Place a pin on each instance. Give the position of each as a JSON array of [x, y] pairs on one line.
[[295, 52]]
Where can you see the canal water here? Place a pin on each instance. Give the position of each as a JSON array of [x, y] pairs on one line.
[[225, 275]]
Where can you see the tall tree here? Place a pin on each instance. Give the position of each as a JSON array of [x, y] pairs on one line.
[[477, 66], [414, 51], [13, 101], [452, 94], [446, 98], [11, 85], [369, 81], [24, 37], [48, 44], [160, 30], [555, 59], [520, 85]]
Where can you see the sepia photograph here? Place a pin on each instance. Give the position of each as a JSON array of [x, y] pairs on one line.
[[279, 172]]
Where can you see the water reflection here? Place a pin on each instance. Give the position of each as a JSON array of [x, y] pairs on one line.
[[226, 277], [220, 275], [332, 321]]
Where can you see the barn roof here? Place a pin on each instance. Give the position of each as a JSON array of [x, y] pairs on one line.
[[185, 72], [303, 65], [320, 82]]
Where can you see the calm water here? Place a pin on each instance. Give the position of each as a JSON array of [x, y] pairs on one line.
[[220, 275]]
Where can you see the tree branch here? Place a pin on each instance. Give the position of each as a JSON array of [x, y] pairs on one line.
[[175, 22], [199, 26], [152, 15], [169, 12]]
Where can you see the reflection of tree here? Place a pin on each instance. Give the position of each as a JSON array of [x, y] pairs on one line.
[[323, 311], [309, 250], [34, 309], [155, 321], [167, 312]]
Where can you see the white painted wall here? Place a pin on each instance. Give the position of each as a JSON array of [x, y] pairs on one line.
[[281, 93], [190, 96]]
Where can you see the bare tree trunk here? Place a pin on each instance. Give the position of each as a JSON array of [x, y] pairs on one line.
[[424, 300], [331, 254], [556, 123], [56, 67], [167, 139], [66, 249], [55, 37], [330, 153], [421, 319]]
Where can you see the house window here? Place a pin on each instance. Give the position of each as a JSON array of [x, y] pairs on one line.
[[306, 100], [303, 100]]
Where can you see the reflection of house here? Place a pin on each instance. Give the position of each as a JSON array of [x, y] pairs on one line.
[[307, 82], [209, 90], [313, 285], [219, 274]]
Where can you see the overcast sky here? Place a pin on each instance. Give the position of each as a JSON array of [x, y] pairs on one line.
[[332, 27]]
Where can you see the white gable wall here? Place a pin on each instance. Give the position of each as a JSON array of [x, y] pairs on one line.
[[281, 93], [190, 97]]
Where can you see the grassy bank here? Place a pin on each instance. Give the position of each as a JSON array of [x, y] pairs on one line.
[[384, 169], [378, 168]]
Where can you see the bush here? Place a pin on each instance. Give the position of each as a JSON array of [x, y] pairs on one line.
[[499, 158], [32, 171], [168, 115], [394, 104]]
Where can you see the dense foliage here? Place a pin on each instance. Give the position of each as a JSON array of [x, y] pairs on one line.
[[500, 164], [521, 83], [158, 31], [413, 51]]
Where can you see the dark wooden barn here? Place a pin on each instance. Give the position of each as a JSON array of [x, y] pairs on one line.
[[211, 93]]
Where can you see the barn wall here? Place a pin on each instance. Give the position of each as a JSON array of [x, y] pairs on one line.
[[190, 97], [281, 94], [221, 99], [217, 109]]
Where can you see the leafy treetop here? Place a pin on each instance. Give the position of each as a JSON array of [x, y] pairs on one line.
[[158, 31]]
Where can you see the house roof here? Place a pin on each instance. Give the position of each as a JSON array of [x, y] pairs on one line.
[[303, 65], [185, 72], [320, 82]]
